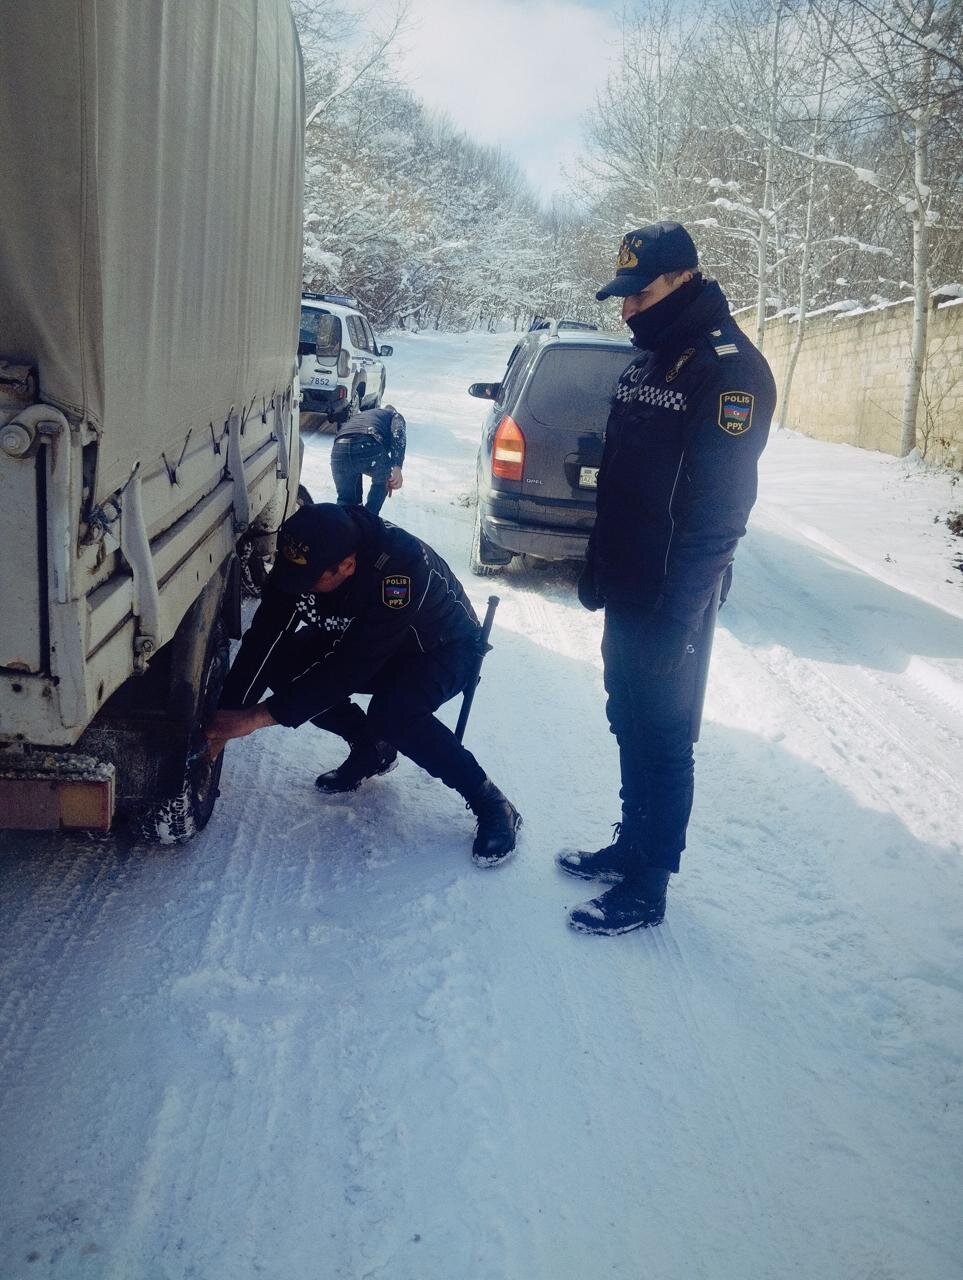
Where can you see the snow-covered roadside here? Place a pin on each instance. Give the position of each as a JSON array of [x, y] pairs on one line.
[[318, 1043], [883, 515]]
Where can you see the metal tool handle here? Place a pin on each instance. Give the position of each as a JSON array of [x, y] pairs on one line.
[[483, 648], [702, 657]]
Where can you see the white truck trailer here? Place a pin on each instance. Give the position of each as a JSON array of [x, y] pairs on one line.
[[150, 279]]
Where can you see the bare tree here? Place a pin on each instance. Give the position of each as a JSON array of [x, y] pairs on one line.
[[807, 243], [893, 47]]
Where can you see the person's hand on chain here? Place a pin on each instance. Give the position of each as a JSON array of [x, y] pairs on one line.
[[225, 725]]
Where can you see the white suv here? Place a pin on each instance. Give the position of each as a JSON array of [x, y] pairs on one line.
[[339, 359]]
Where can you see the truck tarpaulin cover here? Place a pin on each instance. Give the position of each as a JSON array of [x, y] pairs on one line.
[[150, 240]]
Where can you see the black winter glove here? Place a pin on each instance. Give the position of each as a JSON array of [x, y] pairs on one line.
[[664, 643], [588, 592]]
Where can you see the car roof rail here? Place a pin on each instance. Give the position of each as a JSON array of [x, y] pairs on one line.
[[341, 299], [552, 326]]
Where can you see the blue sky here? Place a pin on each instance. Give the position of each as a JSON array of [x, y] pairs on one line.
[[514, 73]]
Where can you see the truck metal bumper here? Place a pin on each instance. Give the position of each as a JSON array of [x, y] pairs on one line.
[[47, 791]]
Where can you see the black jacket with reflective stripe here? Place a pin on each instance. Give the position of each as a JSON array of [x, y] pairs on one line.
[[402, 598], [678, 475], [386, 426]]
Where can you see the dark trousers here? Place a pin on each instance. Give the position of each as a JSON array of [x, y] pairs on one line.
[[405, 694], [353, 457], [650, 716]]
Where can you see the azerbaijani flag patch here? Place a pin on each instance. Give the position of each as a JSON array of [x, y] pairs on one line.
[[396, 590], [735, 412]]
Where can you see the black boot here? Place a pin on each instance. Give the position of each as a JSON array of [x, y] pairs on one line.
[[610, 864], [498, 820], [366, 760], [636, 903]]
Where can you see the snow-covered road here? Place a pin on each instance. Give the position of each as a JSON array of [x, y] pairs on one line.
[[318, 1044]]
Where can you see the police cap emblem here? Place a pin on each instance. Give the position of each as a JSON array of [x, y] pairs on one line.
[[296, 552], [626, 256]]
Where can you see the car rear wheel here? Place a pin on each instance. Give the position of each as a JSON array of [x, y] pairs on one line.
[[485, 560]]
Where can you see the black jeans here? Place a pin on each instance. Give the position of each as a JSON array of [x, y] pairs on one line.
[[406, 692], [650, 716], [353, 457]]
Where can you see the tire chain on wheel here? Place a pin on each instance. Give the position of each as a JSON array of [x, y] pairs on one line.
[[174, 820]]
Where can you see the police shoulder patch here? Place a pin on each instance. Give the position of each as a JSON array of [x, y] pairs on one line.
[[735, 412], [396, 590]]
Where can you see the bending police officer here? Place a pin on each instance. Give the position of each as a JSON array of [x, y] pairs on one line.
[[355, 605], [370, 443], [689, 420]]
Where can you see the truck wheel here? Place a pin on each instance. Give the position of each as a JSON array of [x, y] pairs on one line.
[[254, 570], [255, 567], [483, 559], [182, 816]]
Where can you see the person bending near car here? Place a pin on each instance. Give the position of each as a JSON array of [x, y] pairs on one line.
[[689, 419], [355, 605], [370, 443]]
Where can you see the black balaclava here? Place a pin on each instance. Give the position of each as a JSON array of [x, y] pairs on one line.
[[649, 326]]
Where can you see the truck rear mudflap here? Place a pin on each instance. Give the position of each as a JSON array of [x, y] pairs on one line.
[[47, 791]]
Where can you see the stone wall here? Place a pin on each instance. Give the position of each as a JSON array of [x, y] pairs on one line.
[[849, 379]]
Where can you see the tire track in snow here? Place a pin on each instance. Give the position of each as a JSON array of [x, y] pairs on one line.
[[849, 720], [909, 741], [43, 969], [415, 1091], [204, 1157], [752, 1157], [538, 617]]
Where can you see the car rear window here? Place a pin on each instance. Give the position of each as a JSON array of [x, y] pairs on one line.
[[320, 329], [572, 386]]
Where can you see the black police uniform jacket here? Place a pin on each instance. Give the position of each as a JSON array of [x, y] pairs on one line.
[[402, 598], [678, 475], [389, 429]]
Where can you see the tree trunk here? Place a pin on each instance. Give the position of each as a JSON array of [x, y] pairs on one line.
[[921, 298], [807, 240], [762, 292]]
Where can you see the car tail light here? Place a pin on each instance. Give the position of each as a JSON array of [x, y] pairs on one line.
[[344, 363], [341, 393], [508, 450]]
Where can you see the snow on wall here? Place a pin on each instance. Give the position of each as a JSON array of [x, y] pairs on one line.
[[849, 379]]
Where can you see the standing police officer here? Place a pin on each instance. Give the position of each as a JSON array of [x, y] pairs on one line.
[[370, 443], [355, 605], [689, 419]]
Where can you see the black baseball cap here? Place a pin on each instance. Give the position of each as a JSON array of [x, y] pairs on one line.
[[316, 538], [647, 253]]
